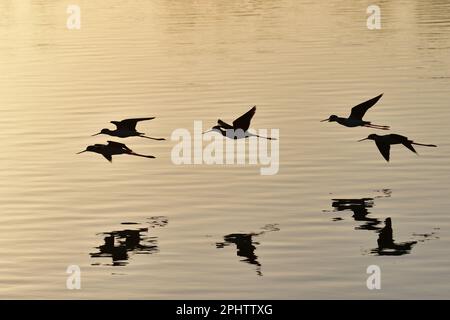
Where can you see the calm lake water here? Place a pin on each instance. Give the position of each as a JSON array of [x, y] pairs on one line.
[[148, 229]]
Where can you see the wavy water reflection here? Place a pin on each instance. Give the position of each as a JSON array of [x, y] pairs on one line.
[[118, 245], [386, 243], [246, 245]]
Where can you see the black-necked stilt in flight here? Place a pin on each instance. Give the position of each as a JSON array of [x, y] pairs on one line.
[[112, 148], [239, 128], [127, 128], [355, 119], [384, 143]]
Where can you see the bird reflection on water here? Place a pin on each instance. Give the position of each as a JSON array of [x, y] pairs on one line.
[[246, 246], [360, 212], [386, 243], [118, 245], [360, 207]]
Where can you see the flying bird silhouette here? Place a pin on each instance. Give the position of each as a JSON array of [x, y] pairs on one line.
[[355, 119], [239, 128], [127, 128], [384, 143], [111, 149]]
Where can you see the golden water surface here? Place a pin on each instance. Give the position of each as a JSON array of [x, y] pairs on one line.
[[146, 228]]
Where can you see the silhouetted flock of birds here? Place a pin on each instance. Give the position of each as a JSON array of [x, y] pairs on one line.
[[124, 129], [239, 129], [384, 142], [127, 128]]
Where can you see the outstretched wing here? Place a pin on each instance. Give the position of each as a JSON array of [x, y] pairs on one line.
[[108, 157], [384, 148], [359, 110], [118, 145], [409, 146], [224, 124], [243, 122], [129, 124]]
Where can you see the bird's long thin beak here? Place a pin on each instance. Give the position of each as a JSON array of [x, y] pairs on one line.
[[96, 134], [206, 131], [325, 120], [81, 151], [363, 139]]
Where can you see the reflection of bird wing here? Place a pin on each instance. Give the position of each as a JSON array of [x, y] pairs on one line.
[[359, 110], [384, 148], [129, 124], [243, 122], [114, 144], [224, 124]]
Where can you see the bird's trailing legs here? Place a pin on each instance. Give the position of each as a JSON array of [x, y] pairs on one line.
[[158, 139], [376, 126], [424, 145], [246, 135], [255, 135], [141, 155]]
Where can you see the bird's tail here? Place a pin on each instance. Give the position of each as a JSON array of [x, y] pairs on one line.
[[159, 139], [141, 155], [424, 145]]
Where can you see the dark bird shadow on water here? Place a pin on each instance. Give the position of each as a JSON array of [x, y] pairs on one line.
[[118, 245], [360, 213], [360, 208], [246, 246], [386, 244]]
